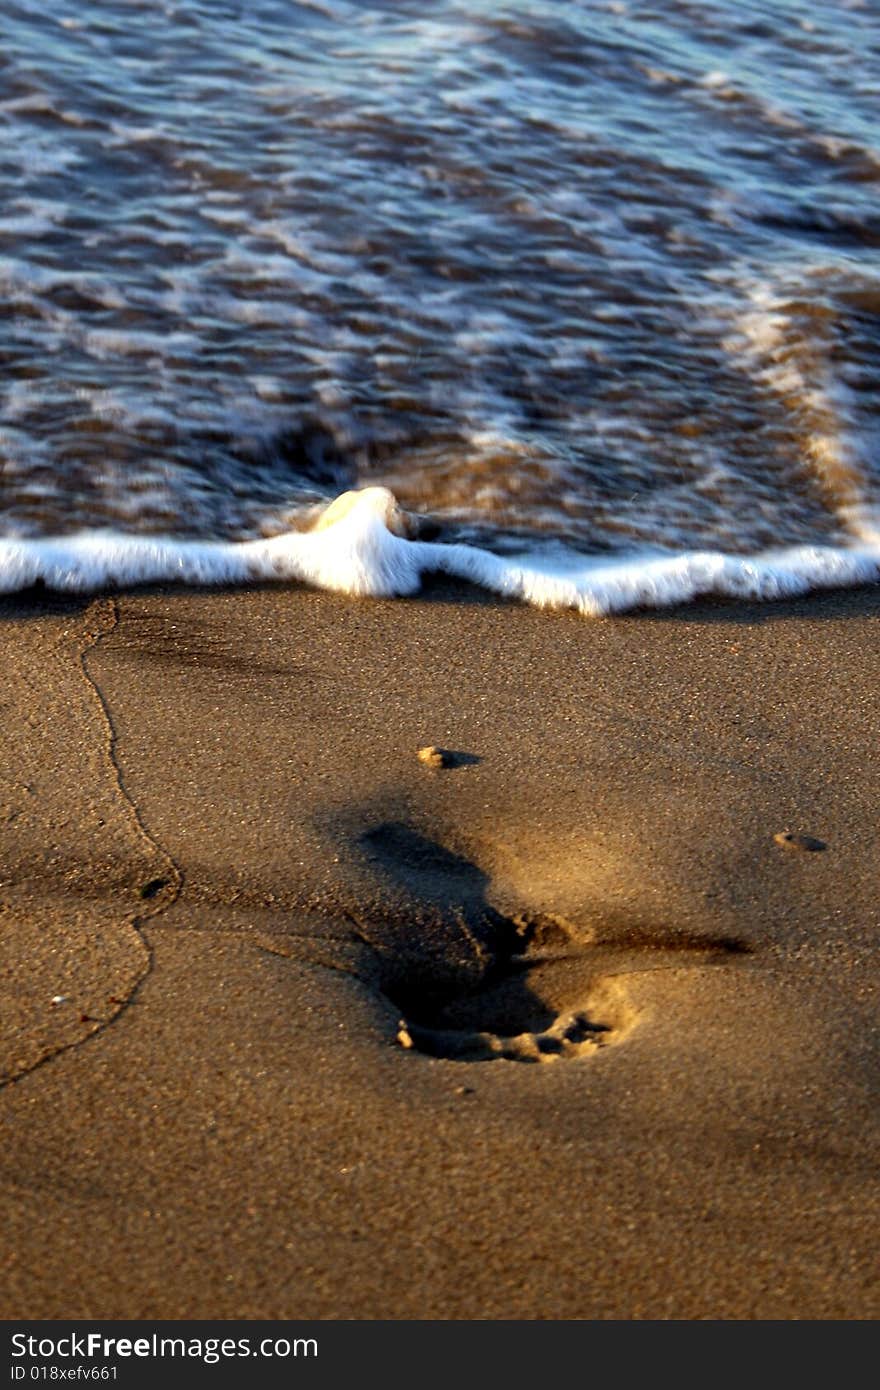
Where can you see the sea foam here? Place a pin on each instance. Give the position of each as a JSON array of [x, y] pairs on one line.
[[363, 545]]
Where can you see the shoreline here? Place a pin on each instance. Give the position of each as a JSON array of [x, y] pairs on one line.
[[223, 855], [365, 545]]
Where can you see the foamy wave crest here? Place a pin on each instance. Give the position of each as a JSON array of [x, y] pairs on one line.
[[365, 545]]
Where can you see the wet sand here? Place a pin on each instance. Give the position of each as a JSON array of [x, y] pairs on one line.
[[299, 1026]]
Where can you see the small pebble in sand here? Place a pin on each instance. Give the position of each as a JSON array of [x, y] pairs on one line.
[[435, 757], [58, 999], [791, 840]]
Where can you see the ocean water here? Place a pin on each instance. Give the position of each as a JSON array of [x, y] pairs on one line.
[[591, 289]]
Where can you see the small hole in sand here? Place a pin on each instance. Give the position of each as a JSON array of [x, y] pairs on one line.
[[153, 888]]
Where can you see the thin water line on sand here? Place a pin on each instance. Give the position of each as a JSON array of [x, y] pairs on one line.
[[176, 873], [173, 883]]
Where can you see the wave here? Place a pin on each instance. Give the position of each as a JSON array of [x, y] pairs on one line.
[[365, 545]]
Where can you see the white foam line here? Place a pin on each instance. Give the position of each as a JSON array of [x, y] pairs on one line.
[[800, 372], [363, 554]]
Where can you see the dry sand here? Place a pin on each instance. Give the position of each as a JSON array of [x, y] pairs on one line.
[[299, 1026]]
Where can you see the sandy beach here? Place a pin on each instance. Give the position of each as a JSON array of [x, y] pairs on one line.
[[297, 1026]]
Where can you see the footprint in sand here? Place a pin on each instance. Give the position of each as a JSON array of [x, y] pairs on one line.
[[529, 988]]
